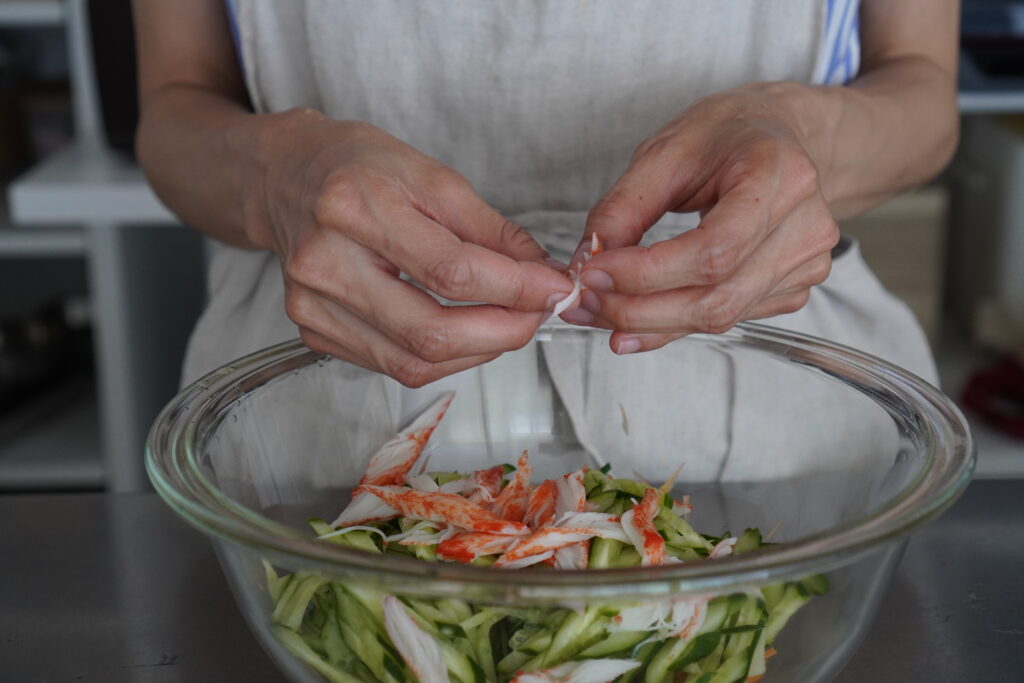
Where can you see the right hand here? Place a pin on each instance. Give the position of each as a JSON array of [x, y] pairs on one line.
[[347, 208]]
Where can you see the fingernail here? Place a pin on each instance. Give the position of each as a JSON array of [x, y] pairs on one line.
[[578, 316], [557, 265], [628, 345], [590, 301], [597, 280]]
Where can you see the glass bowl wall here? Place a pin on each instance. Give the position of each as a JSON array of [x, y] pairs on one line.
[[840, 454]]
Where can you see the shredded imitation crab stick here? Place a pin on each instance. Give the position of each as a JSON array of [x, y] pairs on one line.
[[447, 508], [577, 285], [421, 652], [639, 526], [511, 502], [540, 506], [392, 463]]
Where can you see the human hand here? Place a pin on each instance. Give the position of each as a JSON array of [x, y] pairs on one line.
[[764, 238], [347, 208]]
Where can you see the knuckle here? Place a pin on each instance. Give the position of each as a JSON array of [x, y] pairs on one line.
[[339, 201], [512, 235], [615, 212], [800, 172], [717, 262], [442, 181], [299, 306], [451, 277], [829, 234], [622, 317], [719, 312], [432, 343], [653, 146], [410, 371], [820, 270], [796, 301]]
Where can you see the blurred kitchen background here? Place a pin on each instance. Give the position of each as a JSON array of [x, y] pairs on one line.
[[99, 286]]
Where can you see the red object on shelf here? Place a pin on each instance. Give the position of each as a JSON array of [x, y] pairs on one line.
[[996, 393]]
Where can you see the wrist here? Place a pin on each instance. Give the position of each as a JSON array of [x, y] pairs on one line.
[[811, 114], [265, 141]]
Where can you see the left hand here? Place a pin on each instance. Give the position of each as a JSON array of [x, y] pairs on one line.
[[764, 238]]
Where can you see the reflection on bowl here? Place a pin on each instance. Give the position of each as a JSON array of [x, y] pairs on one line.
[[841, 454]]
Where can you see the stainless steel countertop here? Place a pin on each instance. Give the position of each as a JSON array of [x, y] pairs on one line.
[[111, 588]]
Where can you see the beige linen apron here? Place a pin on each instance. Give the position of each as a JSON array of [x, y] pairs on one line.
[[540, 103]]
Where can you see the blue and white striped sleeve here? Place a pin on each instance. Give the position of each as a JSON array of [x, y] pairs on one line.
[[839, 58]]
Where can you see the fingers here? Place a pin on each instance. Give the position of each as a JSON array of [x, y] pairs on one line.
[[759, 191], [363, 346], [369, 289], [623, 342], [439, 260], [469, 217], [795, 256]]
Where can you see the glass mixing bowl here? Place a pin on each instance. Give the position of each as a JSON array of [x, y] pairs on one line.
[[840, 454]]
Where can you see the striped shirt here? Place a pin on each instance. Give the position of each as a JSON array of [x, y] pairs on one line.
[[839, 60]]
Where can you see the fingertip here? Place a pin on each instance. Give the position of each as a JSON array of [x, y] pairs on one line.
[[626, 345]]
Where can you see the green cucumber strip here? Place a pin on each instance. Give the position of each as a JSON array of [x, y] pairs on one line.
[[441, 478], [815, 585], [673, 525], [538, 643], [595, 481], [363, 540], [291, 610], [613, 644], [361, 631], [733, 670], [576, 633], [630, 487], [749, 540], [274, 583], [484, 561], [700, 647], [643, 654], [773, 593], [603, 501], [298, 647], [659, 669], [430, 611], [603, 552], [627, 557], [714, 659], [683, 553], [757, 660], [334, 646], [513, 662], [792, 600]]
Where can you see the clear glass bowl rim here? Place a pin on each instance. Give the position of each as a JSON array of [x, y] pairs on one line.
[[178, 478]]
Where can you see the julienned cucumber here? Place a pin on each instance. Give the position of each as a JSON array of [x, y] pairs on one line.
[[337, 628]]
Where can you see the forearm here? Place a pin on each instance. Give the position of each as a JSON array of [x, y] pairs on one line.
[[204, 155], [890, 130]]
